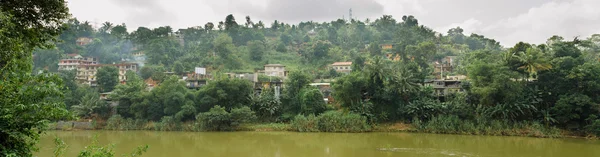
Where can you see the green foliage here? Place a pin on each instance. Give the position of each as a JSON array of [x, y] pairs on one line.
[[230, 93], [89, 105], [302, 123], [108, 78], [168, 123], [312, 102], [573, 110], [295, 82], [268, 108], [256, 49], [218, 119], [332, 121], [455, 125], [336, 121], [27, 102]]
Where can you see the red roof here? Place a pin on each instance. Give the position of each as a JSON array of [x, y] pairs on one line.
[[341, 63]]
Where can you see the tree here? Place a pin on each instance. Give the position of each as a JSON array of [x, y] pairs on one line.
[[230, 23], [295, 83], [229, 93], [375, 49], [119, 31], [178, 68], [267, 107], [129, 96], [24, 26], [257, 50], [223, 46], [533, 61], [312, 102], [88, 105], [108, 78]]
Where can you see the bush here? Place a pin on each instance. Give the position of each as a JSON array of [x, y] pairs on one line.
[[336, 121], [218, 119], [305, 124], [114, 122], [454, 125], [167, 123], [332, 121], [594, 127]]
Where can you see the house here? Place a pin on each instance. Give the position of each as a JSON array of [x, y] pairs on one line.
[[445, 87], [150, 83], [276, 70], [447, 65], [387, 46], [82, 41], [342, 67], [197, 79], [86, 74], [87, 67], [72, 61], [393, 57]]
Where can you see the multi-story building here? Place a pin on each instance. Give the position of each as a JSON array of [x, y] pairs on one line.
[[72, 61], [342, 67], [87, 68], [276, 70], [86, 74], [197, 79]]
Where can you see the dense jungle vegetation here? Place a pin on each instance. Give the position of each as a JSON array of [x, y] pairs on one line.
[[523, 88]]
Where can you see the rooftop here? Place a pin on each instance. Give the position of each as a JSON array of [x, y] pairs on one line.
[[341, 63], [274, 65], [72, 55]]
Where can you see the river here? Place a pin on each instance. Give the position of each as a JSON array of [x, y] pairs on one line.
[[291, 144]]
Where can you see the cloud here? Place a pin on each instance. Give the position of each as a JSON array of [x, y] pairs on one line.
[[298, 10], [567, 19], [469, 26], [145, 12]]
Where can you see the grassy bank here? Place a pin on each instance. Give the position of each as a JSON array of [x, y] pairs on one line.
[[339, 122]]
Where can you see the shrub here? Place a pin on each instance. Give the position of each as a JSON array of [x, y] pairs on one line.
[[167, 123], [454, 125], [332, 121], [305, 124], [218, 119], [114, 122], [312, 102], [594, 127], [336, 121]]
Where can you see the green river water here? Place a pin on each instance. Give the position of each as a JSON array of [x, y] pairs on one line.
[[291, 144]]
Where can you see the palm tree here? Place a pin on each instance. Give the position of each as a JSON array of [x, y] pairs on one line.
[[106, 26], [88, 104], [533, 61]]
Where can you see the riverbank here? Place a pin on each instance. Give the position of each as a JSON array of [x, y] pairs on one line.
[[524, 131]]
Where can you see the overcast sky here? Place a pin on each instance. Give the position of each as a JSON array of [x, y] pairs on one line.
[[508, 21]]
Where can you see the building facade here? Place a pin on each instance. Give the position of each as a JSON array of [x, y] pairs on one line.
[[72, 61], [342, 67], [87, 67], [276, 70]]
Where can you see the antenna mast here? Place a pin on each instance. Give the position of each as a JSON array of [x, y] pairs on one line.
[[350, 17]]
